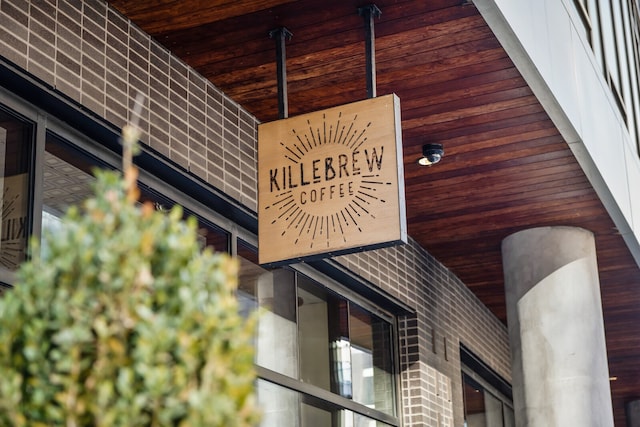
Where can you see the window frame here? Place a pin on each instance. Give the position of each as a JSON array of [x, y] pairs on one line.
[[15, 106], [633, 39], [582, 7], [624, 36], [480, 374], [312, 391]]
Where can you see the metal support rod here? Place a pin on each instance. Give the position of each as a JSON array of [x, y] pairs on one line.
[[370, 12], [281, 34]]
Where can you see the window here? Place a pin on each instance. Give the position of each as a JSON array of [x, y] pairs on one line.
[[632, 28], [284, 407], [582, 6], [611, 49], [39, 185], [16, 146], [324, 356], [67, 179], [612, 28], [487, 397], [484, 409]]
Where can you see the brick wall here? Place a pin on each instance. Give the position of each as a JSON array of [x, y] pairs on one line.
[[98, 59], [447, 314]]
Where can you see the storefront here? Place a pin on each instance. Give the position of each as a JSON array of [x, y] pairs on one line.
[[322, 350], [369, 338]]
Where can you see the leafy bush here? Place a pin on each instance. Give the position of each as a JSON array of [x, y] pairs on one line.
[[125, 321]]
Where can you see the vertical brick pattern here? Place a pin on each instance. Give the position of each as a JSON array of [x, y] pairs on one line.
[[99, 59]]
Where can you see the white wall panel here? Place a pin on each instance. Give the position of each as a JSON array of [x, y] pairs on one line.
[[562, 76], [633, 178], [557, 63]]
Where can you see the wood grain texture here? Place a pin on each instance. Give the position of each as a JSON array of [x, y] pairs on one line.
[[330, 181]]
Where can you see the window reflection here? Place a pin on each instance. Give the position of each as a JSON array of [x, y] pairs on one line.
[[280, 406], [314, 335], [68, 177], [283, 407], [340, 347], [274, 292], [209, 234], [344, 348], [16, 138], [473, 404], [371, 360], [484, 409]]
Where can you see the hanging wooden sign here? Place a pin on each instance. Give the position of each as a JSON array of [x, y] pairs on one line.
[[331, 182]]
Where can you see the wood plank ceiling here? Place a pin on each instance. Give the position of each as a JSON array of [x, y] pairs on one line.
[[506, 167]]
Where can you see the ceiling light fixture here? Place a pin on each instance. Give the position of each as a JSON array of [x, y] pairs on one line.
[[431, 154]]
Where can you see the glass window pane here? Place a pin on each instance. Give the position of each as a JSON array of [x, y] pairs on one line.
[[209, 234], [67, 178], [483, 408], [340, 347], [344, 348], [313, 333], [596, 37], [473, 404], [312, 416], [493, 410], [346, 418], [16, 138], [214, 237], [509, 417], [372, 360], [247, 278], [274, 292], [282, 407], [279, 405]]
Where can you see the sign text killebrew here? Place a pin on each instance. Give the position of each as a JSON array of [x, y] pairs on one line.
[[331, 182]]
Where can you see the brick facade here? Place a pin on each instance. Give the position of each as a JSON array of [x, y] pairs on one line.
[[447, 314], [96, 58]]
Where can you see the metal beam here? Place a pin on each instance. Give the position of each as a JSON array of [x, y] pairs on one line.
[[370, 12], [280, 35]]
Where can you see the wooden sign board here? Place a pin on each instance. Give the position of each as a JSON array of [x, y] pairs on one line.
[[331, 182]]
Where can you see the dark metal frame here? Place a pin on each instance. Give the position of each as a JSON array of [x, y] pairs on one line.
[[281, 35], [369, 13]]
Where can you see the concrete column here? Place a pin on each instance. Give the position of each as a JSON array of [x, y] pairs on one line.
[[633, 413], [556, 331]]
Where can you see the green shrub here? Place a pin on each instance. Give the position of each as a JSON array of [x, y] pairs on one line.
[[125, 321]]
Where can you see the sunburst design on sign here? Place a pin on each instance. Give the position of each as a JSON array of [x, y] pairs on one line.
[[349, 180], [330, 182]]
